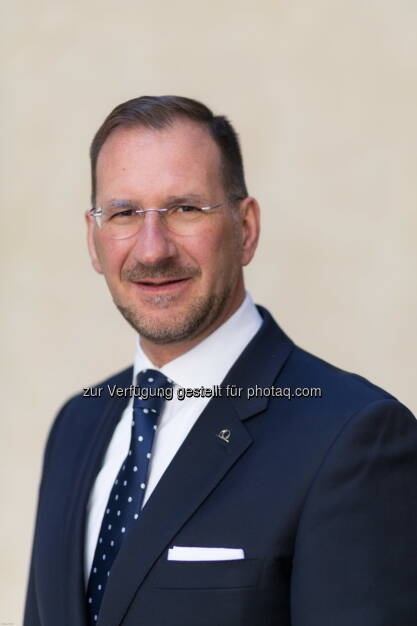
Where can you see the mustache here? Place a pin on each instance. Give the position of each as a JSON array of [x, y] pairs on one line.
[[167, 270]]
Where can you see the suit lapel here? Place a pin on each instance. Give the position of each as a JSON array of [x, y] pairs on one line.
[[200, 464], [96, 441]]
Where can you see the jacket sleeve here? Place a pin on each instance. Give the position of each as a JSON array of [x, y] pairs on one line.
[[355, 559], [32, 613]]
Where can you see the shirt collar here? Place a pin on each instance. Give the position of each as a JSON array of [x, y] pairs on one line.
[[207, 363]]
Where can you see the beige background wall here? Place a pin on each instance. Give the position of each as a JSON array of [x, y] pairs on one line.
[[324, 96]]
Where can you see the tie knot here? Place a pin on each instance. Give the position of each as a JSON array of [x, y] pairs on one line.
[[154, 388], [152, 379]]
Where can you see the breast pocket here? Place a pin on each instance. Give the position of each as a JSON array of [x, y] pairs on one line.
[[206, 574]]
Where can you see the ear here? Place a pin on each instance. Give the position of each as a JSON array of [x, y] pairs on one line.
[[250, 224], [91, 227]]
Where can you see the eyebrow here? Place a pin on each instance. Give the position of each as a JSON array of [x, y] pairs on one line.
[[170, 200]]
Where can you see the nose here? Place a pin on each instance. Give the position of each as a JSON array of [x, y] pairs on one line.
[[153, 242]]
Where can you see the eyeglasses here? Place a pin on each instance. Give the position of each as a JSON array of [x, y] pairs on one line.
[[123, 221]]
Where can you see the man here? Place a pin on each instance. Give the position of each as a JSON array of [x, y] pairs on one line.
[[166, 507]]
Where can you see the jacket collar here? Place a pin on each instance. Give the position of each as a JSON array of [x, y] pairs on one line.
[[259, 365]]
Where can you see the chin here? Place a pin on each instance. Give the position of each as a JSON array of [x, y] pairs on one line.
[[166, 323]]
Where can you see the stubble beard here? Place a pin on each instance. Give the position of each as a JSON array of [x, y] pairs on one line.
[[180, 327], [184, 325]]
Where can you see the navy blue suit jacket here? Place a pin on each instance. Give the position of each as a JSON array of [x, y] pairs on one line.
[[319, 492]]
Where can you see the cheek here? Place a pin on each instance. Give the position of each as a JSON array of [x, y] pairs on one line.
[[219, 256], [112, 255], [227, 245], [221, 240], [207, 251]]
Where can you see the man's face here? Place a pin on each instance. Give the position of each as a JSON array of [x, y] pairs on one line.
[[171, 287]]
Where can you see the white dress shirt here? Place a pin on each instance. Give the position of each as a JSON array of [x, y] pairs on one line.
[[205, 365]]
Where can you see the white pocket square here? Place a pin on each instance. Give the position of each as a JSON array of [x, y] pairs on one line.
[[185, 553]]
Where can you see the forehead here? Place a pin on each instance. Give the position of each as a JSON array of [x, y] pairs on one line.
[[178, 159]]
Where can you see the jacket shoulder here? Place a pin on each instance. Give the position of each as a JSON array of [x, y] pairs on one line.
[[334, 378], [338, 394], [101, 390], [84, 408]]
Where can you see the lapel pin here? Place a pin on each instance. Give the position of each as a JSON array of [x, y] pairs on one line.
[[224, 435]]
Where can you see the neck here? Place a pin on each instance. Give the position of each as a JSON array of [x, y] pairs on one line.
[[161, 354]]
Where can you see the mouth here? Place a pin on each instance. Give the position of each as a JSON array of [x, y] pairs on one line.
[[162, 285]]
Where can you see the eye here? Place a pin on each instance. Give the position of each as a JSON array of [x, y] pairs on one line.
[[124, 213], [186, 208], [118, 215]]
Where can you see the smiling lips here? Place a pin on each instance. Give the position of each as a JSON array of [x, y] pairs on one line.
[[153, 285]]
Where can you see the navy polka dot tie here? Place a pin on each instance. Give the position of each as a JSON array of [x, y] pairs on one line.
[[126, 497]]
